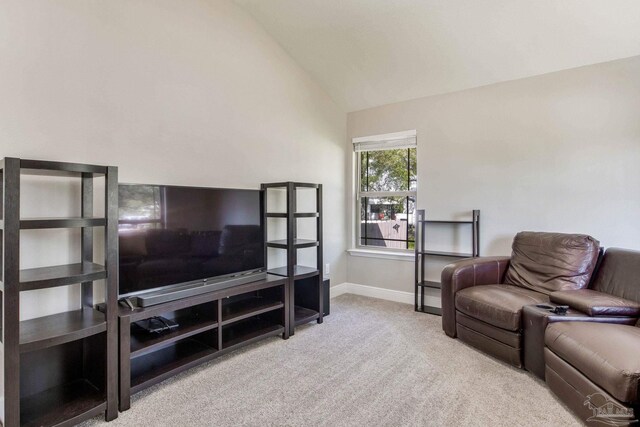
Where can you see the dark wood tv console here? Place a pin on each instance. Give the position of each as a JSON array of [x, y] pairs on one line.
[[210, 325]]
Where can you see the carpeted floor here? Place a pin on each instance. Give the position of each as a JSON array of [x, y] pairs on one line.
[[372, 362]]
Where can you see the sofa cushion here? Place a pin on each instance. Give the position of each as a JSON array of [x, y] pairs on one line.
[[498, 305], [549, 262], [607, 354], [596, 303], [619, 274]]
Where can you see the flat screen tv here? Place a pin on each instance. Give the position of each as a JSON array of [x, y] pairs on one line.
[[171, 236]]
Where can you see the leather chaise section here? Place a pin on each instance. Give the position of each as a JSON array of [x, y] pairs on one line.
[[595, 366], [606, 354], [579, 393], [498, 305]]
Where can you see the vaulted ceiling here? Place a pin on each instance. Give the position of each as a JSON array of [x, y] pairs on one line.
[[367, 53]]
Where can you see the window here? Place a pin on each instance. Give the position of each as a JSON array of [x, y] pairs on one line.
[[386, 195], [140, 207]]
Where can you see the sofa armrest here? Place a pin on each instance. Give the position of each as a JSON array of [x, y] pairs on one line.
[[464, 274], [596, 303]]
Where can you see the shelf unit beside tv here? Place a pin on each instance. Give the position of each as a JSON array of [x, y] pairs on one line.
[[209, 325], [422, 254], [59, 369], [306, 289]]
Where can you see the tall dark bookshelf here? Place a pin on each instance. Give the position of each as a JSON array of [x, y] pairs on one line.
[[306, 283], [59, 369], [423, 254]]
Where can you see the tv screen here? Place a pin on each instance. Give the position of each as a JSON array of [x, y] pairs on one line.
[[171, 235]]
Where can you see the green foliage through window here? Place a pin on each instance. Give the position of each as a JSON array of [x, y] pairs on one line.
[[386, 219], [388, 170]]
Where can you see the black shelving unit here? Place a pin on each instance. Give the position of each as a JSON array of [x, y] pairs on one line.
[[306, 299], [59, 369], [422, 254]]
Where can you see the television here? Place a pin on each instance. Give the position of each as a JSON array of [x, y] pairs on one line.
[[179, 241]]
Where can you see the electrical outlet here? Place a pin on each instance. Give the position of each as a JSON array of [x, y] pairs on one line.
[[327, 269]]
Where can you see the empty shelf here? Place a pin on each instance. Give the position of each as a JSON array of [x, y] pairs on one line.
[[62, 405], [248, 331], [245, 308], [433, 221], [297, 243], [304, 185], [42, 165], [60, 275], [276, 185], [447, 254], [430, 284], [299, 271], [304, 315], [49, 331], [155, 366], [306, 214], [40, 223]]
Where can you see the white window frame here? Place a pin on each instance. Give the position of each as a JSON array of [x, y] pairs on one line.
[[389, 141]]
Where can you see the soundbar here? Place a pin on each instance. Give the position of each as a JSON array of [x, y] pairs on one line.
[[191, 289]]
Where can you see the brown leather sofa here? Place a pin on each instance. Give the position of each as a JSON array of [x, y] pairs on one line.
[[482, 298], [594, 368]]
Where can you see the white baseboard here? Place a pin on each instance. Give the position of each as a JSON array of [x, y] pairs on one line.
[[336, 291], [381, 293]]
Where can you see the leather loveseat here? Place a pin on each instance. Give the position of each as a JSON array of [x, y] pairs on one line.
[[483, 298], [594, 368]]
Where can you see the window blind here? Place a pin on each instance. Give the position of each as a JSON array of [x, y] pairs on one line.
[[389, 141]]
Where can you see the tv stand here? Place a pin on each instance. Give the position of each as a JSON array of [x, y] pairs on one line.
[[209, 325]]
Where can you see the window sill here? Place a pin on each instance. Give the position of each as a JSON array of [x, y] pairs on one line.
[[373, 253]]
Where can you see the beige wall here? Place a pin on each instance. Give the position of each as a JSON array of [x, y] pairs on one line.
[[177, 92], [557, 152]]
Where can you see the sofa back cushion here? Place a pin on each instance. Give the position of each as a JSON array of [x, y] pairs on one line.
[[163, 243], [549, 262], [619, 274], [205, 244]]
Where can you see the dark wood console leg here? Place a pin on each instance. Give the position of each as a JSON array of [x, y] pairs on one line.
[[111, 414], [286, 291], [291, 306], [125, 364], [320, 298], [219, 344]]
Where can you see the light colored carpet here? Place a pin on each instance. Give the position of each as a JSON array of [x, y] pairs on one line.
[[372, 362]]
